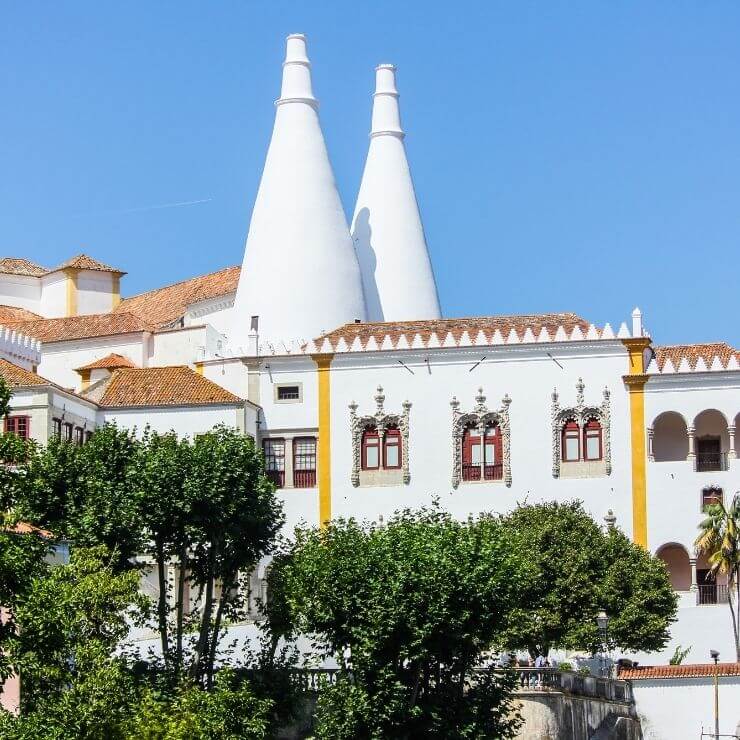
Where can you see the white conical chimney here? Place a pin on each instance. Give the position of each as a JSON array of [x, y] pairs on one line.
[[387, 231], [300, 273]]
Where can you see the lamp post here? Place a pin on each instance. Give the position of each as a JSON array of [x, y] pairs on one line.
[[715, 657], [602, 620]]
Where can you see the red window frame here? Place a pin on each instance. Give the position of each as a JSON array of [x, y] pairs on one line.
[[392, 438], [370, 439], [571, 430], [18, 425], [273, 449], [489, 469], [56, 426], [593, 430], [68, 431], [79, 436], [711, 495], [304, 462]]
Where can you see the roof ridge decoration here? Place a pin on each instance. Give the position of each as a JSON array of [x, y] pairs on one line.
[[708, 357]]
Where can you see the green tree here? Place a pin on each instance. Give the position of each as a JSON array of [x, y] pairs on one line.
[[69, 621], [719, 538], [234, 522], [22, 555], [580, 570], [231, 711], [85, 494], [407, 610], [162, 468]]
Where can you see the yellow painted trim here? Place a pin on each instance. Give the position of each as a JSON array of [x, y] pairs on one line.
[[116, 290], [85, 379], [323, 364], [635, 382], [71, 274], [199, 368]]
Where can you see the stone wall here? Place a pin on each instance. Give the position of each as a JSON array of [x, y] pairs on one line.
[[552, 715]]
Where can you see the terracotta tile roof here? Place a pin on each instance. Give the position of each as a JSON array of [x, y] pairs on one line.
[[13, 313], [82, 327], [487, 324], [84, 262], [110, 362], [16, 376], [164, 306], [692, 352], [19, 266], [25, 528], [163, 386], [679, 671]]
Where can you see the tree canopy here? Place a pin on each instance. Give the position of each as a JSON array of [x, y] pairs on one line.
[[579, 570], [407, 609]]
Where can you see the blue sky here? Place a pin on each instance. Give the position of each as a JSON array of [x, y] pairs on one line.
[[578, 155]]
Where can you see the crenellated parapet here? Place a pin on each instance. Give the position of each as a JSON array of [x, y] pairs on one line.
[[20, 349]]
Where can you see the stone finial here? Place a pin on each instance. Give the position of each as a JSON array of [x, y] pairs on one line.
[[579, 392], [610, 519], [380, 399]]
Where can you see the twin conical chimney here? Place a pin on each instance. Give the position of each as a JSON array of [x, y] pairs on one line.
[[387, 231], [300, 274]]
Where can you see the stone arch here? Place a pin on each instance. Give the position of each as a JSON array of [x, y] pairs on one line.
[[676, 559], [670, 439]]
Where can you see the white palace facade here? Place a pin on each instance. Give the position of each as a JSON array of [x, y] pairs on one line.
[[328, 346]]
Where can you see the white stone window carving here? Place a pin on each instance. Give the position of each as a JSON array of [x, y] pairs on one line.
[[380, 445], [581, 437], [481, 442]]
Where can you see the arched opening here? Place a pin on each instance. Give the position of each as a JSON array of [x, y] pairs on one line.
[[711, 440], [712, 588], [676, 560], [670, 437], [736, 424]]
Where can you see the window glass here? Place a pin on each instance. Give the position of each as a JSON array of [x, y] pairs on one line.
[[475, 456], [371, 455], [593, 445], [391, 455], [571, 451], [288, 393]]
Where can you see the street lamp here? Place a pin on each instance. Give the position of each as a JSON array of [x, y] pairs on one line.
[[602, 620], [715, 657]]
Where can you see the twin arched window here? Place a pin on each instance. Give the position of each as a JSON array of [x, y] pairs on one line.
[[582, 443], [382, 453], [482, 455]]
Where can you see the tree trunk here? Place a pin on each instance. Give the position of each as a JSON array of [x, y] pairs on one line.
[[162, 602], [205, 623], [224, 597], [180, 606]]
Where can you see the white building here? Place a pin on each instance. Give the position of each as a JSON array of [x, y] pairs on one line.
[[361, 418]]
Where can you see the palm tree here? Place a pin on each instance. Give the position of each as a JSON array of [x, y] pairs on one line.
[[719, 539]]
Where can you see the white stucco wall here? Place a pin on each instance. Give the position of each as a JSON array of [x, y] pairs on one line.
[[185, 420], [23, 291], [59, 359], [674, 487], [44, 404], [528, 375], [185, 346], [676, 708], [94, 291], [53, 301]]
